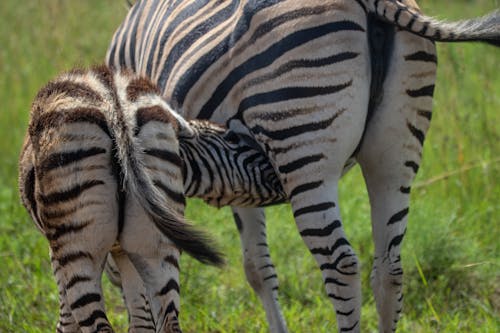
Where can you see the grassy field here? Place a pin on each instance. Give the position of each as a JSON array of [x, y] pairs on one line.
[[451, 252]]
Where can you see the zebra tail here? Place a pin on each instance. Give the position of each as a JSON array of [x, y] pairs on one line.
[[482, 29], [169, 222]]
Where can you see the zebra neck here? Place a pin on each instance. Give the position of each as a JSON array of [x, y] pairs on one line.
[[222, 169]]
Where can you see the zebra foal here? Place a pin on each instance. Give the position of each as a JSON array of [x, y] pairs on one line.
[[319, 85]]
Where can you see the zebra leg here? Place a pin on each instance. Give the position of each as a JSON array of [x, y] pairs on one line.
[[80, 231], [78, 274], [134, 293], [156, 260], [259, 269], [321, 229], [66, 323], [390, 157]]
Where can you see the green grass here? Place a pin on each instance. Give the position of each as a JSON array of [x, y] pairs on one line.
[[451, 253]]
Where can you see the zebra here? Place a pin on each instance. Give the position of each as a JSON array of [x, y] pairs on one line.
[[95, 135], [320, 86]]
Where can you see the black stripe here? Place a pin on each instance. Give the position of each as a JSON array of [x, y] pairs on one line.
[[335, 281], [405, 190], [130, 34], [273, 276], [70, 194], [100, 326], [63, 229], [397, 14], [238, 221], [92, 318], [362, 4], [175, 196], [193, 74], [326, 251], [339, 298], [411, 164], [266, 58], [159, 39], [165, 155], [313, 208], [85, 300], [437, 34], [207, 25], [77, 90], [301, 63], [305, 187], [424, 113], [171, 285], [29, 190], [172, 261], [347, 329], [410, 24], [77, 279], [147, 327], [421, 56], [300, 163], [171, 308], [67, 116], [425, 26], [147, 319], [334, 265], [70, 257], [396, 241], [416, 133], [290, 93], [427, 91], [341, 313], [295, 130], [58, 160], [398, 216], [323, 232], [266, 266]]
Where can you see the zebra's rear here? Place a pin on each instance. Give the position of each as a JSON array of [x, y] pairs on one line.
[[70, 190]]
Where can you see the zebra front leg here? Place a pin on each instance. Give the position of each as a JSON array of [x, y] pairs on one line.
[[259, 269], [321, 229]]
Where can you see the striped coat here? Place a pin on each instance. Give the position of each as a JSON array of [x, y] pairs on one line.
[[319, 85]]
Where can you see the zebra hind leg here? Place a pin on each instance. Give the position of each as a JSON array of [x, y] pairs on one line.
[[66, 323], [118, 265], [321, 229], [390, 157], [155, 259], [259, 269]]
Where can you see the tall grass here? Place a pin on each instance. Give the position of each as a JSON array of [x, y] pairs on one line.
[[450, 254]]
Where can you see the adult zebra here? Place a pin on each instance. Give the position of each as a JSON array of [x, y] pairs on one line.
[[319, 86]]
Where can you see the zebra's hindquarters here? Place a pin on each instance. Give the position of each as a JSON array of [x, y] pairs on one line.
[[74, 192]]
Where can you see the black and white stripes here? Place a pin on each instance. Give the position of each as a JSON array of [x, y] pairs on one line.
[[104, 153], [80, 153], [317, 86]]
